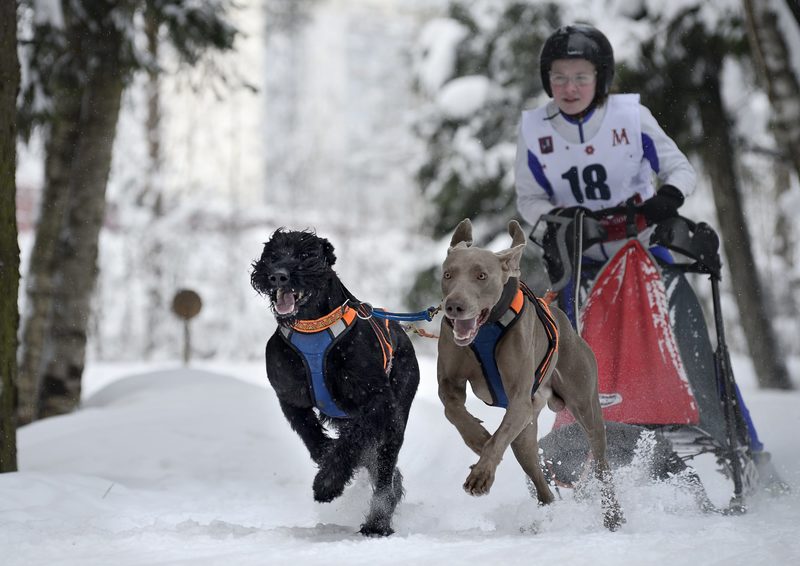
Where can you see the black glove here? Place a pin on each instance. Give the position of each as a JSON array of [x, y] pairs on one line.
[[664, 204]]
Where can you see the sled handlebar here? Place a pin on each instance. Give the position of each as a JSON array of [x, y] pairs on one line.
[[695, 240]]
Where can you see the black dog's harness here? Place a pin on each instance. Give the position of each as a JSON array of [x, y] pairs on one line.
[[313, 339], [504, 316]]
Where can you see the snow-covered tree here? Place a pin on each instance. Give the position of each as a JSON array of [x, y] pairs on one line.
[[81, 54], [773, 27], [478, 66], [772, 32], [680, 74]]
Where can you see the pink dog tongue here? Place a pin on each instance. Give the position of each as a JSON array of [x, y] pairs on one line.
[[463, 328], [284, 303]]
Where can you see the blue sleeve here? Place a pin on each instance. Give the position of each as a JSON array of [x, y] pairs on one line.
[[650, 153], [538, 174]]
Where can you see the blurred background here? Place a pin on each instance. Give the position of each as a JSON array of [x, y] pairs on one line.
[[378, 123]]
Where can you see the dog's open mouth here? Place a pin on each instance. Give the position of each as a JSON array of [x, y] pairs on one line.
[[286, 301], [466, 329]]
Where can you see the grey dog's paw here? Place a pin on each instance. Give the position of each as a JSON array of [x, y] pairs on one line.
[[480, 480], [613, 518]]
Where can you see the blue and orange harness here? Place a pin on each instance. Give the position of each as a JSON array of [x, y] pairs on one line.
[[314, 339], [489, 336]]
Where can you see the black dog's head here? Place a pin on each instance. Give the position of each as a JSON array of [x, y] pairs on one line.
[[295, 269]]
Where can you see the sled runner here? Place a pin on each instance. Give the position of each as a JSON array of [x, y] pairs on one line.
[[657, 367]]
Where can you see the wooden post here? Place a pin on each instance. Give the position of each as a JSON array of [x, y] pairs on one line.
[[186, 304]]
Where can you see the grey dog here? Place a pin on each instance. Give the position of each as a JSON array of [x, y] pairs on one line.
[[539, 357]]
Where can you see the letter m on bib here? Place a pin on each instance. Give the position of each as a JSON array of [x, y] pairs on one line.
[[620, 137]]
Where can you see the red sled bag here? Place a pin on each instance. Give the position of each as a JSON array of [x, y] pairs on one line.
[[627, 324]]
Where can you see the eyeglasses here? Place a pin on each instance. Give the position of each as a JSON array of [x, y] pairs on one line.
[[582, 79]]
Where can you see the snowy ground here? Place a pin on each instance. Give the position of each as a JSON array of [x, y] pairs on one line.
[[197, 467]]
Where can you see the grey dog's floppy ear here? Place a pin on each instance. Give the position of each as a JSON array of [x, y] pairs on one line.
[[463, 233]]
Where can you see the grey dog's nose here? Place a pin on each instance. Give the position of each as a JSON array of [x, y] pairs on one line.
[[453, 308], [279, 277]]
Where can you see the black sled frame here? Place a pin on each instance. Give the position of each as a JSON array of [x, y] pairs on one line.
[[699, 243]]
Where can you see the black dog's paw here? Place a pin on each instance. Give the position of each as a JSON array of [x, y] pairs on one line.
[[377, 529], [328, 485]]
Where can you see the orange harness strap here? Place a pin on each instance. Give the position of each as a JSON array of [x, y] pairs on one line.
[[347, 315], [384, 335], [325, 322]]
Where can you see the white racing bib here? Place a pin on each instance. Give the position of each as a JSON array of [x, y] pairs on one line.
[[602, 172]]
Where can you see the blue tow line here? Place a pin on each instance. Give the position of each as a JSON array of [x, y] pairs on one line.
[[427, 314]]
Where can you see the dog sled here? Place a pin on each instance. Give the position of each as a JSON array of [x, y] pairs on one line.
[[658, 370]]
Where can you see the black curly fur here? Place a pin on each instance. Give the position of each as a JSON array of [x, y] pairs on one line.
[[378, 404], [307, 258]]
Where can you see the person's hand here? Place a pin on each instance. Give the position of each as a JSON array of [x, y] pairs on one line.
[[664, 204]]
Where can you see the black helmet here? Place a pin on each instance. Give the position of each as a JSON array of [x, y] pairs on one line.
[[579, 41]]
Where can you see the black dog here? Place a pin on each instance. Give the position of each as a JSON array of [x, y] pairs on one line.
[[359, 374]]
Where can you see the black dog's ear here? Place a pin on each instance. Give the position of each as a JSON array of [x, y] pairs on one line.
[[258, 276], [327, 250]]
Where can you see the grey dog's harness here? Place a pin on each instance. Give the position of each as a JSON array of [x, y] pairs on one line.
[[489, 336]]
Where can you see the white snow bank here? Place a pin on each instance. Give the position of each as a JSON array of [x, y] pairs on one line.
[[189, 467]]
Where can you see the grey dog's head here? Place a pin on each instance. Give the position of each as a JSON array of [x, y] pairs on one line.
[[473, 279], [295, 267]]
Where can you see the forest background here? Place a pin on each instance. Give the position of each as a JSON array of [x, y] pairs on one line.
[[160, 142]]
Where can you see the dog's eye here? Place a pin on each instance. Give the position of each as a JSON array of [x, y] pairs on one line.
[[447, 275], [482, 275]]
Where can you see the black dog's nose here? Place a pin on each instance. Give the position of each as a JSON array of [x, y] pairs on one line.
[[278, 277]]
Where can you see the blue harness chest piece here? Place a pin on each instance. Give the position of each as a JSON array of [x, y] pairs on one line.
[[485, 344], [314, 339], [313, 346]]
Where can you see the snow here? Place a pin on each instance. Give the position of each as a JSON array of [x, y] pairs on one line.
[[437, 43], [48, 12], [196, 466], [462, 97]]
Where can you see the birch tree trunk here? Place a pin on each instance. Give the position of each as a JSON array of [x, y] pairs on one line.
[[718, 153], [772, 60], [76, 270], [60, 150], [9, 249], [151, 198]]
